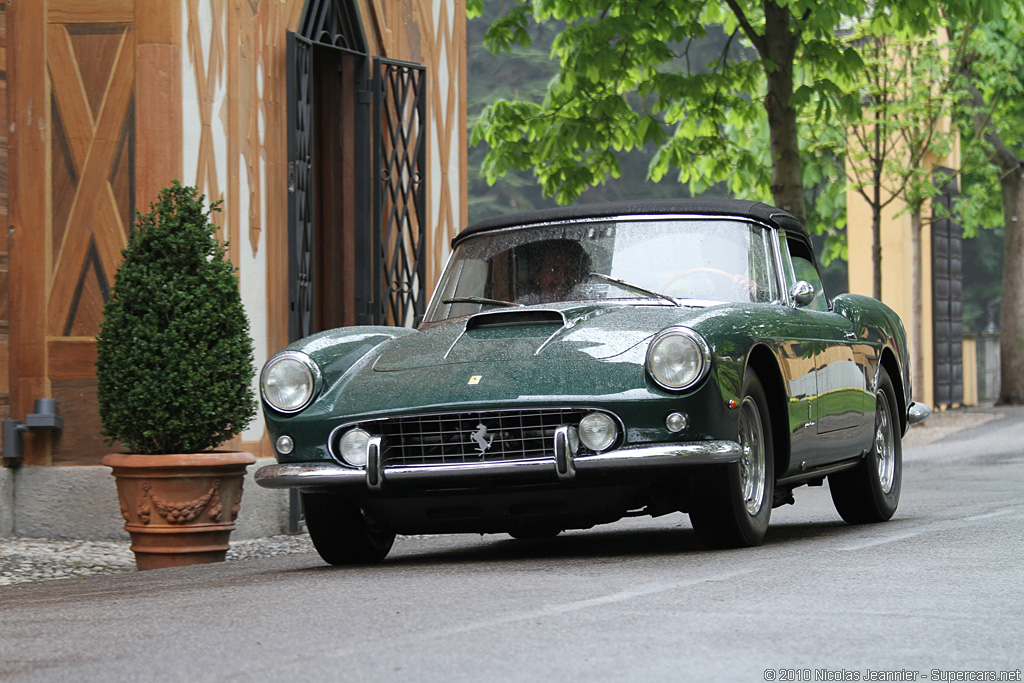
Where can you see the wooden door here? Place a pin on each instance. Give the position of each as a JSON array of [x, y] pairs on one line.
[[72, 161]]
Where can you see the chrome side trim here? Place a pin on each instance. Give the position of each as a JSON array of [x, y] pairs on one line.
[[918, 412], [329, 474], [819, 472]]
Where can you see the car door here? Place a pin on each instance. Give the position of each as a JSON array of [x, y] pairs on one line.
[[843, 385], [838, 406]]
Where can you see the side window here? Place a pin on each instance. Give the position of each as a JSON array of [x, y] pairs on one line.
[[803, 269], [761, 266], [788, 278]]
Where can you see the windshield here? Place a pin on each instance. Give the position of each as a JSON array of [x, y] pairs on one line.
[[707, 259]]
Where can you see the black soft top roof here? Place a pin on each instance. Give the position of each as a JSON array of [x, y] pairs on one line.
[[648, 207]]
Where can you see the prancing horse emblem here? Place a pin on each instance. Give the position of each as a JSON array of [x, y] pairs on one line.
[[480, 436]]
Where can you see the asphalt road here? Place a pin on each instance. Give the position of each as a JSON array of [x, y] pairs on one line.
[[935, 594]]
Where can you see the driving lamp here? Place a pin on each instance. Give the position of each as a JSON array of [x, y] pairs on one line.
[[353, 447], [597, 431]]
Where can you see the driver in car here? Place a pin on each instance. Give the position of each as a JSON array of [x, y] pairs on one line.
[[554, 268]]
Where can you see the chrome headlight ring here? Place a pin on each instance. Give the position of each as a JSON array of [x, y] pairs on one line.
[[678, 358], [290, 381]]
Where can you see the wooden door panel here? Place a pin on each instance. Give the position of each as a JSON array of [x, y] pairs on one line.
[[94, 138], [72, 209]]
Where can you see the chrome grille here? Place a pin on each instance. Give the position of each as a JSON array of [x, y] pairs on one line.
[[449, 438]]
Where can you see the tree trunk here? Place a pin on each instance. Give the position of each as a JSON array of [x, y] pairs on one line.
[[1011, 317], [876, 243], [779, 46], [916, 306]]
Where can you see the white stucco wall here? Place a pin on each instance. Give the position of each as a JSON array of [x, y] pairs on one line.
[[252, 267]]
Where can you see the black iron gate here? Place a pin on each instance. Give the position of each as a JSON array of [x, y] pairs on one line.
[[389, 201], [300, 187], [391, 287], [399, 194], [947, 301]]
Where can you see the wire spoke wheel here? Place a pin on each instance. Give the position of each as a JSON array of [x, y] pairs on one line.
[[732, 504], [752, 465], [884, 448], [870, 492]]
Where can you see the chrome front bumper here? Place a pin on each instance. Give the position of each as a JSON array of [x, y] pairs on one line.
[[563, 467]]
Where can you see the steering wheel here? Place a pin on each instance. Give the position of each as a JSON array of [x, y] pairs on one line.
[[741, 282]]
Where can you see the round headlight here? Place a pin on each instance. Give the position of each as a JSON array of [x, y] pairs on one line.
[[289, 381], [353, 447], [597, 431], [678, 358]]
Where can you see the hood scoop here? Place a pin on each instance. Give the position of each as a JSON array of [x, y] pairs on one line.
[[483, 321], [528, 323]]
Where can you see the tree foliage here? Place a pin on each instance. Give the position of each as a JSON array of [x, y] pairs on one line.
[[523, 74], [626, 81], [175, 357], [993, 73]]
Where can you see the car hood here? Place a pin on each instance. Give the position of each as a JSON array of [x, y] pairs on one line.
[[534, 334], [541, 355]]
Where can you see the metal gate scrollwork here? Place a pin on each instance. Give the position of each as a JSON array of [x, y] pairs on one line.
[[399, 194], [300, 186]]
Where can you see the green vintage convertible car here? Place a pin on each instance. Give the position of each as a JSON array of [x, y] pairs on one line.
[[579, 365]]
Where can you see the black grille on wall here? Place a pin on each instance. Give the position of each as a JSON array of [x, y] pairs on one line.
[[300, 187], [399, 193], [333, 22], [947, 302], [391, 287], [325, 24]]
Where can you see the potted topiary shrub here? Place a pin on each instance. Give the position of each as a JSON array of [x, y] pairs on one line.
[[175, 367]]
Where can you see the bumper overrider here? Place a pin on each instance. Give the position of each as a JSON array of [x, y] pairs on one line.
[[564, 466]]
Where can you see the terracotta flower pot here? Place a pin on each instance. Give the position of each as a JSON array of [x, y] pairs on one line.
[[179, 509]]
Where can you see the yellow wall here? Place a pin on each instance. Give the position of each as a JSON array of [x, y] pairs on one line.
[[897, 268]]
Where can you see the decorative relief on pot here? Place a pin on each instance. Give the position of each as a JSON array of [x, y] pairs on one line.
[[238, 502], [145, 510], [182, 513], [216, 510]]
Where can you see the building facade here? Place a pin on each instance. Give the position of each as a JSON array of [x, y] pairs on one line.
[[332, 131]]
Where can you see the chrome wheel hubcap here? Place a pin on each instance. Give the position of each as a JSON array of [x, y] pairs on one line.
[[752, 464], [885, 449]]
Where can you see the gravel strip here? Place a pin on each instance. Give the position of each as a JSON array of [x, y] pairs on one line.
[[36, 559]]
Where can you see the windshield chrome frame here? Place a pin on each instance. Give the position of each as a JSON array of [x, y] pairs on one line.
[[747, 220]]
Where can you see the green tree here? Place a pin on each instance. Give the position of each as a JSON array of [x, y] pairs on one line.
[[993, 72], [625, 82], [523, 74], [175, 356], [907, 95]]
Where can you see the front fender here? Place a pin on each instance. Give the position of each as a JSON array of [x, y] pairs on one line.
[[335, 352]]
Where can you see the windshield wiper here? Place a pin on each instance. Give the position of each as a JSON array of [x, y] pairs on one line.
[[479, 300], [635, 288]]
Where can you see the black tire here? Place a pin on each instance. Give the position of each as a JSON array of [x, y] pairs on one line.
[[733, 503], [870, 492], [342, 533]]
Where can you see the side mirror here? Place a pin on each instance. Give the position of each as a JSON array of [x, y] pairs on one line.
[[802, 293]]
